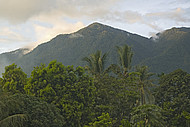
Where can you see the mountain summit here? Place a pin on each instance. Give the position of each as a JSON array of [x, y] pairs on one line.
[[169, 52]]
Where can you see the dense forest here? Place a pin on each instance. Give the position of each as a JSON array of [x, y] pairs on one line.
[[118, 95]]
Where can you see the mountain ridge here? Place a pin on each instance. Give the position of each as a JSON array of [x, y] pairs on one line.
[[71, 48]]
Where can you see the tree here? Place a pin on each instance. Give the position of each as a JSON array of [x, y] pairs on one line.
[[71, 90], [23, 110], [39, 112], [102, 121], [147, 116], [173, 96], [14, 79], [116, 96], [144, 85], [7, 116], [125, 58], [96, 62]]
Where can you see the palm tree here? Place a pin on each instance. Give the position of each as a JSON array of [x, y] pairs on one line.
[[13, 120], [96, 62], [144, 84], [125, 58]]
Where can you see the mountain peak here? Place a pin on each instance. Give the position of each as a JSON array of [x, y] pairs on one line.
[[172, 34], [95, 25]]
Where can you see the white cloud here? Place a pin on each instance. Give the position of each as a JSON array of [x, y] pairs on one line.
[[47, 27], [9, 36]]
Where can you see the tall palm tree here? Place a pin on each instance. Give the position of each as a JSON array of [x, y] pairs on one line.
[[144, 84], [96, 62], [125, 58]]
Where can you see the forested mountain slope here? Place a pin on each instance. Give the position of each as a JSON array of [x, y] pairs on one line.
[[70, 49], [171, 50], [10, 57], [165, 53]]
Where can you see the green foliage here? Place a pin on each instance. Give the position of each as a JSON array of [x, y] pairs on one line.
[[40, 113], [144, 84], [173, 96], [102, 121], [96, 62], [69, 89], [125, 123], [13, 79], [125, 58], [65, 96], [7, 116], [116, 96], [13, 120], [147, 116], [27, 111]]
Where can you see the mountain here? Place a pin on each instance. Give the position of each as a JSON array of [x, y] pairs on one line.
[[171, 50], [10, 57], [70, 49], [166, 52]]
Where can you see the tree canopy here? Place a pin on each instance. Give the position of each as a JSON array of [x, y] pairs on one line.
[[69, 89], [13, 79], [57, 95], [173, 96]]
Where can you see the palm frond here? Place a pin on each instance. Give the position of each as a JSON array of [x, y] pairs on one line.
[[125, 57], [13, 120], [96, 63]]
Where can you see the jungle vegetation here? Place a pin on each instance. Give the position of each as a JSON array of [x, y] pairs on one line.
[[96, 95]]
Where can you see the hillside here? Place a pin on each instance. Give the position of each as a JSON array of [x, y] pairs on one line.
[[71, 48], [169, 51], [10, 57]]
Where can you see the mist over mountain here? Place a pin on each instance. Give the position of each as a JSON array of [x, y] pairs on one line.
[[10, 57], [168, 51]]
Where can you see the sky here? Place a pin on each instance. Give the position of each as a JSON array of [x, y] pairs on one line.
[[28, 23]]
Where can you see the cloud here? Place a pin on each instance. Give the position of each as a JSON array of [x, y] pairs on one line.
[[17, 11], [132, 17], [47, 28], [178, 15], [9, 36], [47, 18], [152, 20]]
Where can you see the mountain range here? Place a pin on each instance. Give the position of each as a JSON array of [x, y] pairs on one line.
[[167, 51]]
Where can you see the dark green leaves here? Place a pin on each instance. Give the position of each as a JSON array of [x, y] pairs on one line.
[[13, 79], [69, 89]]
